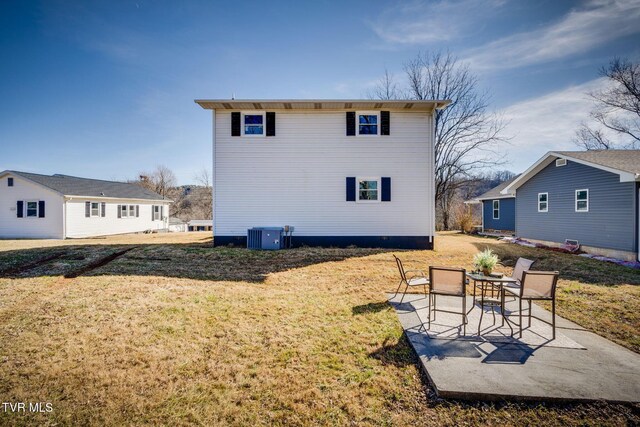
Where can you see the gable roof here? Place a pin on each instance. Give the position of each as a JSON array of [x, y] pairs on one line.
[[323, 104], [625, 163], [495, 192], [86, 187]]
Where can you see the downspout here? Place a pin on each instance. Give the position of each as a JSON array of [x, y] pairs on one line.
[[432, 224], [213, 175], [64, 217]]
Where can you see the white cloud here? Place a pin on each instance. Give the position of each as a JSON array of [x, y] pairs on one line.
[[423, 22], [592, 25], [547, 123]]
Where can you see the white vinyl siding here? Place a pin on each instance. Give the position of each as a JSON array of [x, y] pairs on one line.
[[78, 225], [49, 227], [298, 178]]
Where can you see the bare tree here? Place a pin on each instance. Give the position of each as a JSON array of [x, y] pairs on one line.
[[385, 88], [466, 133], [160, 180], [592, 139], [617, 108], [203, 179]]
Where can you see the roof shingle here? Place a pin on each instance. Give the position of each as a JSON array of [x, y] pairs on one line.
[[623, 160], [86, 187]]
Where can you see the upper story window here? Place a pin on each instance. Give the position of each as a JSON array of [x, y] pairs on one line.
[[496, 209], [368, 190], [32, 209], [582, 200], [368, 123], [10, 182], [253, 124], [543, 202]]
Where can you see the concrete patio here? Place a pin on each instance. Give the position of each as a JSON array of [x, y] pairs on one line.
[[577, 366]]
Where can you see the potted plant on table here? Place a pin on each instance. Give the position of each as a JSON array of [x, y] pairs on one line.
[[485, 261]]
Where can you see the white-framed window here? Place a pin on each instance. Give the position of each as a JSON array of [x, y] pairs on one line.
[[156, 213], [253, 123], [132, 211], [123, 211], [582, 200], [10, 182], [95, 209], [543, 202], [31, 209], [368, 123], [496, 209], [368, 190]]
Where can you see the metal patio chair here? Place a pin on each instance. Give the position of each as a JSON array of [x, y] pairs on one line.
[[416, 278], [536, 286], [521, 266], [450, 282]]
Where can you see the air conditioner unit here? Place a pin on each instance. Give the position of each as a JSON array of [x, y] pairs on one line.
[[266, 238]]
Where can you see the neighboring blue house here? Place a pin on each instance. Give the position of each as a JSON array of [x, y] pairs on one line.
[[587, 196], [498, 210]]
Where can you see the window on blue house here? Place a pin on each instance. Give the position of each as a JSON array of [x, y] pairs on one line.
[[253, 124], [368, 123], [543, 202], [582, 200], [496, 209]]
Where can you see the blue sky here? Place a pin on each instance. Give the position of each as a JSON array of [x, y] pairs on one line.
[[106, 89]]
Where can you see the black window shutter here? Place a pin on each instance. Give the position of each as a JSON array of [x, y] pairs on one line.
[[386, 189], [271, 123], [20, 209], [119, 211], [137, 211], [153, 212], [385, 123], [40, 208], [351, 123], [161, 212], [351, 189], [235, 124], [87, 209], [104, 209]]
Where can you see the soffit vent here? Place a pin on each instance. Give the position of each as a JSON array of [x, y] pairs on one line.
[[561, 162]]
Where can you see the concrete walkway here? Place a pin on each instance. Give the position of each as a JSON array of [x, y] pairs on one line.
[[472, 367]]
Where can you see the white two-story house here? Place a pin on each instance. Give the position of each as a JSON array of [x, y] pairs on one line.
[[339, 172]]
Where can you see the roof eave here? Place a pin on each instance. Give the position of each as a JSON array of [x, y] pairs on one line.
[[231, 104]]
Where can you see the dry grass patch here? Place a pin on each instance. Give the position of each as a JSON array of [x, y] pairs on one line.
[[187, 334]]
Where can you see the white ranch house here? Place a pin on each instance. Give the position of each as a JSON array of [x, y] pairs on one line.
[[337, 172], [57, 206]]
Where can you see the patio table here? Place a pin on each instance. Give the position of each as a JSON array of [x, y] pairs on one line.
[[493, 285]]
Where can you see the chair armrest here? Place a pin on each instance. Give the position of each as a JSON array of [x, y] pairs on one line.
[[415, 271]]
